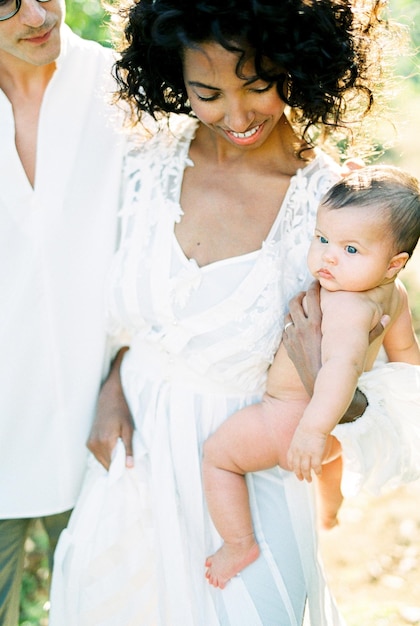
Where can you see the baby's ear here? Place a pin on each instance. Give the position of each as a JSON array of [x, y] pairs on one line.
[[396, 264]]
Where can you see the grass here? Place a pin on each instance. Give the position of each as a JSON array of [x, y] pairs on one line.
[[34, 596]]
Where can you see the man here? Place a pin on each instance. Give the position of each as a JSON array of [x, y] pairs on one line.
[[60, 165]]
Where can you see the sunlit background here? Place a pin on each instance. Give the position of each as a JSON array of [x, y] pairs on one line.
[[372, 559]]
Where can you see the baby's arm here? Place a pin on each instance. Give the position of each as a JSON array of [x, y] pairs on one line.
[[303, 344], [346, 322], [400, 341]]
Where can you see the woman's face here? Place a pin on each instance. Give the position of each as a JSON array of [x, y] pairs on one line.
[[244, 111]]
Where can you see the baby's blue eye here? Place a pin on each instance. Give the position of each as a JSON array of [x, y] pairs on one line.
[[323, 239], [351, 249]]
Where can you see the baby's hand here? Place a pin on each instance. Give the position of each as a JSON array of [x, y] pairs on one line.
[[306, 451]]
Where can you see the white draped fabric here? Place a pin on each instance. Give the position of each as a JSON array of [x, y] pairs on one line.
[[202, 340], [57, 240]]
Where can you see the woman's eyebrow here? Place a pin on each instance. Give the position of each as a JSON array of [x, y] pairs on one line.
[[196, 83]]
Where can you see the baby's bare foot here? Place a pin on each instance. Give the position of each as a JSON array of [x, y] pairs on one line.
[[230, 559], [328, 521]]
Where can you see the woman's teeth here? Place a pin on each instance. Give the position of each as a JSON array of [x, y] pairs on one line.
[[248, 133]]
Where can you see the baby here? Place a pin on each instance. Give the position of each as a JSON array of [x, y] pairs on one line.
[[367, 227]]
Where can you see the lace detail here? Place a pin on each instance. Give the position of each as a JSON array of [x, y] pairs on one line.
[[202, 340], [225, 319], [184, 283]]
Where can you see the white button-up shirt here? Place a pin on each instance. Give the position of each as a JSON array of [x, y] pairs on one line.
[[56, 242]]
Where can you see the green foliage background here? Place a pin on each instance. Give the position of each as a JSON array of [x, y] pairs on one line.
[[88, 19]]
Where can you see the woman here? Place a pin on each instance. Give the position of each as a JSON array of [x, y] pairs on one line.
[[219, 210]]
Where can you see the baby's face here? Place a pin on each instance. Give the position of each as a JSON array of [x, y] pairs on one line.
[[351, 249]]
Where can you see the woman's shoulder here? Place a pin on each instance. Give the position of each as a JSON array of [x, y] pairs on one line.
[[322, 168], [310, 183], [156, 144], [160, 135]]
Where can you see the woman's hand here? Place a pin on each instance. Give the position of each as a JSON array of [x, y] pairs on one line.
[[113, 419], [302, 335], [302, 340]]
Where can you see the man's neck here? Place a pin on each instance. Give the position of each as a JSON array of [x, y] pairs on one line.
[[24, 85], [19, 79]]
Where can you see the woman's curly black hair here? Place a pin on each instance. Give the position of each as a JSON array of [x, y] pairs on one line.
[[330, 49]]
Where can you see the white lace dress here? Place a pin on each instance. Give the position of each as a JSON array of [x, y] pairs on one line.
[[202, 340]]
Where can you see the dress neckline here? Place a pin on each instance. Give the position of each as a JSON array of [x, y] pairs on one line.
[[246, 256]]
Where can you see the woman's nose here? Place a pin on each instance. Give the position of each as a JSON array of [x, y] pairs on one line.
[[238, 117]]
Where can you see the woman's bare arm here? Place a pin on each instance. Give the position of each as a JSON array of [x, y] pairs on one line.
[[113, 418]]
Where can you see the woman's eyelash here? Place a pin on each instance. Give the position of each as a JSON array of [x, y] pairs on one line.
[[254, 90], [263, 89], [207, 98]]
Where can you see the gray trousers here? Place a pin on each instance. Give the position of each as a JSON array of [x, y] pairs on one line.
[[13, 533]]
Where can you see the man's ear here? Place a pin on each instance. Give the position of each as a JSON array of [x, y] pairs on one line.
[[396, 264]]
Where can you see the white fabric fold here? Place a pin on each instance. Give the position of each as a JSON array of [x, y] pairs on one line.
[[379, 449]]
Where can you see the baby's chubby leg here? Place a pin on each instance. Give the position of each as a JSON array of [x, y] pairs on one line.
[[328, 484], [252, 439]]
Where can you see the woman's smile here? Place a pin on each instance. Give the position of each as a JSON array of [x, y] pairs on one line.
[[248, 137], [239, 106]]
